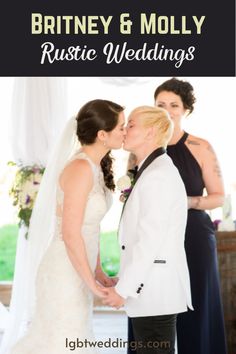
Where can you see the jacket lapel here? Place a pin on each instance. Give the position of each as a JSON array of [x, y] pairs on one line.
[[156, 153]]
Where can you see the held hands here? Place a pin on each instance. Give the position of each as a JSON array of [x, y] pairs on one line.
[[109, 296], [99, 291], [112, 298], [105, 290]]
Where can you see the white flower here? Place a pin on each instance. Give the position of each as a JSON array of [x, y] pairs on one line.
[[124, 183], [28, 192], [37, 177], [30, 188]]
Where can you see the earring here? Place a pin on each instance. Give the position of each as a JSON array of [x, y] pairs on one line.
[[104, 143]]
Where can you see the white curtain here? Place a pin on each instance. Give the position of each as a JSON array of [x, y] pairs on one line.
[[39, 113], [4, 316]]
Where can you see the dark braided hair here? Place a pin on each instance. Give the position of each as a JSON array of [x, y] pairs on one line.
[[94, 116], [181, 88], [106, 165]]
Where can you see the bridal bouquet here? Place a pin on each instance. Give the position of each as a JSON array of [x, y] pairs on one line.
[[24, 191]]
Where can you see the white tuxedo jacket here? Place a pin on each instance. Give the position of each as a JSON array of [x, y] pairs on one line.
[[153, 275]]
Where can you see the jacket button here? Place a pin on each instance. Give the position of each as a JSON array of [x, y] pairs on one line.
[[141, 284], [123, 247], [138, 291]]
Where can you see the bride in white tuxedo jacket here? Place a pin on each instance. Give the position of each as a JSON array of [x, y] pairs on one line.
[[154, 276], [153, 279]]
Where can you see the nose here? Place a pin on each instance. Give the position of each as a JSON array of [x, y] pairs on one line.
[[169, 110], [125, 131]]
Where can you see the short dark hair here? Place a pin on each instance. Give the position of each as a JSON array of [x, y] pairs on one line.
[[181, 88]]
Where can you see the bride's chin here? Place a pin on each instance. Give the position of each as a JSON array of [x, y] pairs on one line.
[[126, 147], [117, 147]]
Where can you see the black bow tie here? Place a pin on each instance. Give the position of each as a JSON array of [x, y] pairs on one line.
[[133, 171]]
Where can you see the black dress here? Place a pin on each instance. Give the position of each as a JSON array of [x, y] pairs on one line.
[[200, 331]]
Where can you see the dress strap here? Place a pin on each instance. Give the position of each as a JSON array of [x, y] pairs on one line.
[[183, 138], [83, 156]]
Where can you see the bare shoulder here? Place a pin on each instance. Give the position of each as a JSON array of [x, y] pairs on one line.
[[77, 170], [199, 144], [201, 149], [78, 166], [193, 140]]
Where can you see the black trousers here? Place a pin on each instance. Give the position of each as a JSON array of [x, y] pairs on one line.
[[152, 335]]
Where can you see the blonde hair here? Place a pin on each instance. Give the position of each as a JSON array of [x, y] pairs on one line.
[[156, 117]]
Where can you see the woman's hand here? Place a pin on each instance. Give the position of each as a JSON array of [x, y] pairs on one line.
[[103, 279], [99, 291], [194, 202], [113, 299]]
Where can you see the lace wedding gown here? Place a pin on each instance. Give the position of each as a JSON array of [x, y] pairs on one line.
[[64, 303]]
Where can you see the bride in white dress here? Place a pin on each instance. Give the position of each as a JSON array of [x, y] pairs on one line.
[[65, 282]]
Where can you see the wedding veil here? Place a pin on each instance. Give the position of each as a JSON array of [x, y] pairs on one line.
[[39, 236]]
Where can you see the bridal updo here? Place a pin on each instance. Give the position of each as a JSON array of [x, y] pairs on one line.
[[94, 116]]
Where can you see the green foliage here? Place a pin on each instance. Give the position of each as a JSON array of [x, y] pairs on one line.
[[109, 251], [8, 239], [25, 214]]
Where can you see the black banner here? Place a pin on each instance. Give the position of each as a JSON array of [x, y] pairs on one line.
[[123, 38]]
